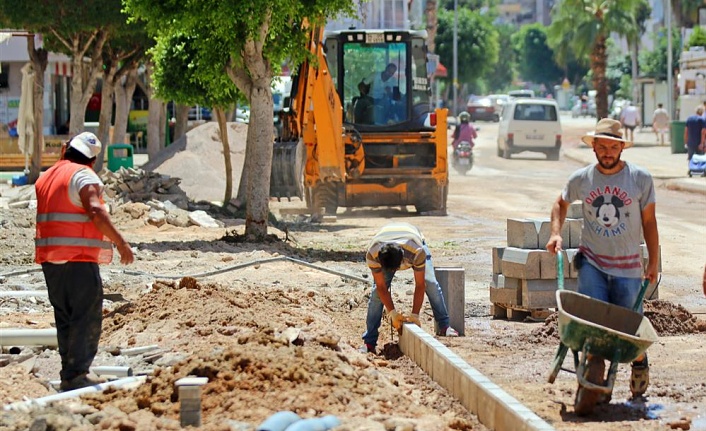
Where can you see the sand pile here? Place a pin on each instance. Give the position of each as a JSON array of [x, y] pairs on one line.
[[197, 159]]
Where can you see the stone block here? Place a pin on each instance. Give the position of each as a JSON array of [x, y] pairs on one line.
[[644, 254], [544, 231], [522, 233], [542, 293], [502, 282], [497, 260], [521, 263], [453, 285], [548, 265], [505, 296]]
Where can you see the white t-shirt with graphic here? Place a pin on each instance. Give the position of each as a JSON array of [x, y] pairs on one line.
[[612, 216]]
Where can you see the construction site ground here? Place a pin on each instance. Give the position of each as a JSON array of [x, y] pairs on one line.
[[275, 335]]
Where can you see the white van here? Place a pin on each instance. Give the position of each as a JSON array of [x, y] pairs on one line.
[[520, 93], [530, 125]]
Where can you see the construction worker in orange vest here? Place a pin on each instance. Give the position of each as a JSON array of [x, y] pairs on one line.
[[74, 234]]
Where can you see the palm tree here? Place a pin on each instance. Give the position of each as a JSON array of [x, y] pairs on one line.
[[582, 27]]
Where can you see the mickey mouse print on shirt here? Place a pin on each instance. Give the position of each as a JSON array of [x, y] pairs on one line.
[[610, 205]]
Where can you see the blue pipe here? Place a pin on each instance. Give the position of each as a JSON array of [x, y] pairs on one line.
[[315, 424], [279, 421]]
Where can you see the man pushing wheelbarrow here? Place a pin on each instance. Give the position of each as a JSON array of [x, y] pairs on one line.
[[618, 200]]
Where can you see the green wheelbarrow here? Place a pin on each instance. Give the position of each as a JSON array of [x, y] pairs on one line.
[[597, 331]]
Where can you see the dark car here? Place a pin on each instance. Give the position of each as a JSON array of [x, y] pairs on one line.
[[482, 109]]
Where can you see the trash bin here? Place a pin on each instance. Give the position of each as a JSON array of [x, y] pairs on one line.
[[120, 156], [676, 136]]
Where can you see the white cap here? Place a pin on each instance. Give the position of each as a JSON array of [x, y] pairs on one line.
[[87, 144]]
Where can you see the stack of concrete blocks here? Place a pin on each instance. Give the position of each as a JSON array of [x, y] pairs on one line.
[[525, 273]]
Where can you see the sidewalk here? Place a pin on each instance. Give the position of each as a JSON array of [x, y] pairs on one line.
[[658, 160]]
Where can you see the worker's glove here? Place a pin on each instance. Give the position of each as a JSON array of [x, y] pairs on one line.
[[414, 318], [397, 319]]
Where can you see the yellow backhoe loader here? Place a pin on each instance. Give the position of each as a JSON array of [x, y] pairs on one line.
[[359, 129]]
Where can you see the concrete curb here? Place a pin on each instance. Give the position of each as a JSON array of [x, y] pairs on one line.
[[495, 408]]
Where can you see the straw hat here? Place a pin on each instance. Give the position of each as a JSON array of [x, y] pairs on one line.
[[607, 128]]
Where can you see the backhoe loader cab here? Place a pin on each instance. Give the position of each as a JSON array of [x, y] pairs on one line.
[[360, 130], [381, 78]]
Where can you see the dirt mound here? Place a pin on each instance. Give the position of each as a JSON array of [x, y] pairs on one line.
[[672, 319], [666, 318], [197, 159]]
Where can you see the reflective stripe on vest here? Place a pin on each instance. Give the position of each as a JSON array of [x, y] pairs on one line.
[[80, 218], [72, 242]]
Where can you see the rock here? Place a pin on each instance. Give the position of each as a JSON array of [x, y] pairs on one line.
[[157, 218], [200, 218]]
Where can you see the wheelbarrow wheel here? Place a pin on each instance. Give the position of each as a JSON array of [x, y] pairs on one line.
[[586, 399]]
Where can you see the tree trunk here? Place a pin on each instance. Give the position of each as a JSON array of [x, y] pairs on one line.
[[223, 129], [182, 121], [154, 116], [259, 160], [84, 79], [599, 60], [39, 58], [123, 103], [106, 115], [432, 23]]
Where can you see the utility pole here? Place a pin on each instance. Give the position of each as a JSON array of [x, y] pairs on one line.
[[455, 65], [670, 61]]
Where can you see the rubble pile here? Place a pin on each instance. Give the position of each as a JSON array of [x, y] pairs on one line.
[[154, 197]]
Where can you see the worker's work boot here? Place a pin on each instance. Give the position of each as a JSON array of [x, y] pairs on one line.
[[639, 378], [78, 382]]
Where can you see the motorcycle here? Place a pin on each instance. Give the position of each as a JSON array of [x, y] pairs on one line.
[[463, 157]]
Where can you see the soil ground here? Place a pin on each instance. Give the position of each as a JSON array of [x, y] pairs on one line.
[[274, 335]]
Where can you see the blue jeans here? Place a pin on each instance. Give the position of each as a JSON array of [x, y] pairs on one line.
[[597, 284], [432, 289]]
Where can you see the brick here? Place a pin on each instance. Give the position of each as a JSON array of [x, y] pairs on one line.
[[497, 260], [522, 233], [569, 262], [544, 231], [521, 263]]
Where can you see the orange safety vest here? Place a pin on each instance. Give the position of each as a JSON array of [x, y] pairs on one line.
[[64, 231]]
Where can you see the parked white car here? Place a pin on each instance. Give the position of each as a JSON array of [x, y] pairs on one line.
[[530, 125]]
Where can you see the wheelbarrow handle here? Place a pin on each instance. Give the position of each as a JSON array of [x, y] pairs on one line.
[[560, 269], [641, 295]]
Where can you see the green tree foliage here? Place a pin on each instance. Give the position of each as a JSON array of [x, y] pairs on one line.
[[653, 63], [477, 44], [246, 42], [583, 27], [535, 60], [619, 67], [697, 38], [503, 74]]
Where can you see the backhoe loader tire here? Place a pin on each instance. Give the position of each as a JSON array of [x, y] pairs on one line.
[[430, 197], [326, 197]]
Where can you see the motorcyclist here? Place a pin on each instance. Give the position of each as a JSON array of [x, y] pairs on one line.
[[464, 131]]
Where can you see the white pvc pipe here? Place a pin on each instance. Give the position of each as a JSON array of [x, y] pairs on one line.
[[112, 371], [134, 351], [28, 337], [126, 383]]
